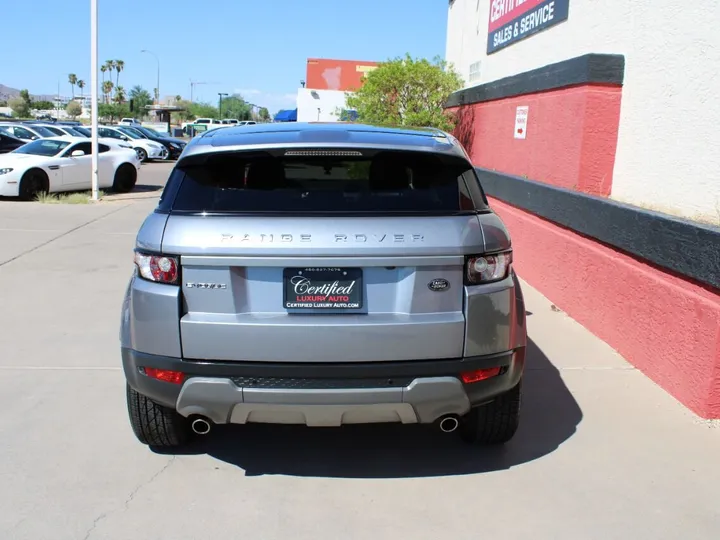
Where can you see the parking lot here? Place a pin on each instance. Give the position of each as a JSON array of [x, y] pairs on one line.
[[601, 453]]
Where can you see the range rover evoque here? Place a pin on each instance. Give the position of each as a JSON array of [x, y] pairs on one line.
[[323, 275]]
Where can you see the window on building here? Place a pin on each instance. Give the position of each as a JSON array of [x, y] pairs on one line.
[[474, 74]]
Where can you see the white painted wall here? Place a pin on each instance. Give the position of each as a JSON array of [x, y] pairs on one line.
[[668, 157], [328, 101]]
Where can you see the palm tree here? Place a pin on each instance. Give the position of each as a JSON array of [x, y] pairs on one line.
[[119, 95], [72, 79], [81, 85], [110, 65], [103, 68], [119, 66], [107, 88]]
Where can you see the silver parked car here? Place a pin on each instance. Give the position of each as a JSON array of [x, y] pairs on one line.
[[323, 274]]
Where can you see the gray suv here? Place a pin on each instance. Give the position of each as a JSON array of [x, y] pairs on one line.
[[323, 275]]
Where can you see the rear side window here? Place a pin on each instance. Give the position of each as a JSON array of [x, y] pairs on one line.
[[333, 181]]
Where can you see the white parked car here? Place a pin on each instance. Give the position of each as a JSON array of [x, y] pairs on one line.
[[129, 122], [145, 148], [62, 130], [65, 164], [26, 132]]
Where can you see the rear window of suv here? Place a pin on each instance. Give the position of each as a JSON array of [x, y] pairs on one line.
[[312, 181]]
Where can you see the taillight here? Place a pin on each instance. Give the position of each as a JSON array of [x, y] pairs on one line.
[[481, 269], [469, 377], [165, 375], [158, 268]]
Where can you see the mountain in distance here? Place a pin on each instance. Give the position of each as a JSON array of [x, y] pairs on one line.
[[7, 93]]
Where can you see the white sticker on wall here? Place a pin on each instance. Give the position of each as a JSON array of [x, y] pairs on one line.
[[521, 121]]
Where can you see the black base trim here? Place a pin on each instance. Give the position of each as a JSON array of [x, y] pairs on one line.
[[323, 375], [681, 246], [607, 69], [307, 370]]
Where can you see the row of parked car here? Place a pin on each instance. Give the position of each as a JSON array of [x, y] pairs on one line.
[[49, 157], [147, 143]]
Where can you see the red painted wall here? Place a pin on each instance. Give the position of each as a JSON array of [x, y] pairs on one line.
[[665, 326], [327, 74], [570, 142]]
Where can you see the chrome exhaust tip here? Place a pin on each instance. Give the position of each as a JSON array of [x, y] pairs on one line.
[[449, 424], [201, 426]]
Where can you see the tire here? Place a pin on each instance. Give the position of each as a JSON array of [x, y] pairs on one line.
[[156, 425], [125, 178], [495, 422], [33, 183], [142, 154]]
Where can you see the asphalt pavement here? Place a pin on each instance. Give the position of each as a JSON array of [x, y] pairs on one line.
[[602, 452]]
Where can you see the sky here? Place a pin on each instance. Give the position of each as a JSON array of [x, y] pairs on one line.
[[256, 48]]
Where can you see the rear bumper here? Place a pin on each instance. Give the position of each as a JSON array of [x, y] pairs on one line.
[[324, 394]]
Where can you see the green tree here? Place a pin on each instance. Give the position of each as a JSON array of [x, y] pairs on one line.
[[81, 85], [202, 110], [407, 92], [73, 109], [43, 105], [25, 96], [72, 79], [20, 107], [264, 114], [184, 115], [119, 66], [120, 96], [236, 107], [107, 88], [141, 98], [113, 111]]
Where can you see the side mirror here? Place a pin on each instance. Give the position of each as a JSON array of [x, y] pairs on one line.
[[77, 153]]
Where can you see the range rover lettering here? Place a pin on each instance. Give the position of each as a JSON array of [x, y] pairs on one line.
[[323, 275]]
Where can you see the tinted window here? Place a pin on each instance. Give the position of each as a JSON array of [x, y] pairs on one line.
[[105, 132], [132, 132], [23, 133], [43, 147], [103, 148], [147, 132], [129, 133], [84, 146], [374, 182], [43, 131], [55, 131]]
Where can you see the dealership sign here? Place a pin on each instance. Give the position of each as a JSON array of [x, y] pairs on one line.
[[513, 20]]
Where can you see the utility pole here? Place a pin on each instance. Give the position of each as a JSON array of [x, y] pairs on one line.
[[157, 88], [193, 84]]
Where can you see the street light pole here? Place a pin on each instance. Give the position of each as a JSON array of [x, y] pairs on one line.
[[158, 73], [221, 94], [94, 148]]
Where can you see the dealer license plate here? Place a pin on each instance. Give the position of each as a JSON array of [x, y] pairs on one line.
[[323, 288]]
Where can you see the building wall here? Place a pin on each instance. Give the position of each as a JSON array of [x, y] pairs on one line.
[[329, 74], [620, 109], [328, 101], [666, 155]]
